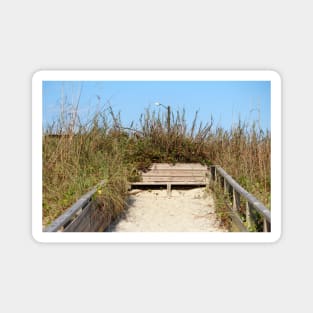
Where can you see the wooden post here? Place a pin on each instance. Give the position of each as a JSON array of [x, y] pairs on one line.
[[236, 200], [215, 173], [248, 216], [209, 178], [266, 226], [222, 181], [168, 190]]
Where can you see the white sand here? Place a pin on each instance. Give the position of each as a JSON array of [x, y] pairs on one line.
[[185, 211]]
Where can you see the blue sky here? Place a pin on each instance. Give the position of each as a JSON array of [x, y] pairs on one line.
[[225, 100]]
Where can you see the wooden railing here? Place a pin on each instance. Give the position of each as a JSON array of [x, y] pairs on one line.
[[82, 216], [244, 217], [245, 211]]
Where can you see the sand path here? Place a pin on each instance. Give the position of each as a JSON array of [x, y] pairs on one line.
[[153, 211]]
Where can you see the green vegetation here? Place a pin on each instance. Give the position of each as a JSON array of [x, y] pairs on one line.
[[76, 156]]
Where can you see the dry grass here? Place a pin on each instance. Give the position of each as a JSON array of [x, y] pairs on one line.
[[76, 157], [245, 153]]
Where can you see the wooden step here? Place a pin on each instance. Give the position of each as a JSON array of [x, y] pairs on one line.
[[173, 179], [186, 166], [176, 172]]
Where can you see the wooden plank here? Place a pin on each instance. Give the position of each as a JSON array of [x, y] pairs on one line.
[[165, 165], [82, 226], [81, 222], [63, 219], [173, 179], [157, 166], [99, 220], [70, 213], [91, 220], [175, 172], [237, 223], [204, 183], [170, 170], [174, 176]]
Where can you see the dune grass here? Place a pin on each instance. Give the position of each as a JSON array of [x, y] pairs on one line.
[[77, 156]]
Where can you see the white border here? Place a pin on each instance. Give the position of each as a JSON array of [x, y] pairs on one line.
[[162, 75]]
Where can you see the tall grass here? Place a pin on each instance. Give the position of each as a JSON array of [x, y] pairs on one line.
[[77, 156], [245, 153], [156, 143]]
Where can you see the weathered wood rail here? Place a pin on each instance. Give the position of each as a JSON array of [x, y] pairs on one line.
[[243, 218], [84, 216]]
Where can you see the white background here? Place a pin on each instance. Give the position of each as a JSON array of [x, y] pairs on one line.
[[155, 35]]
